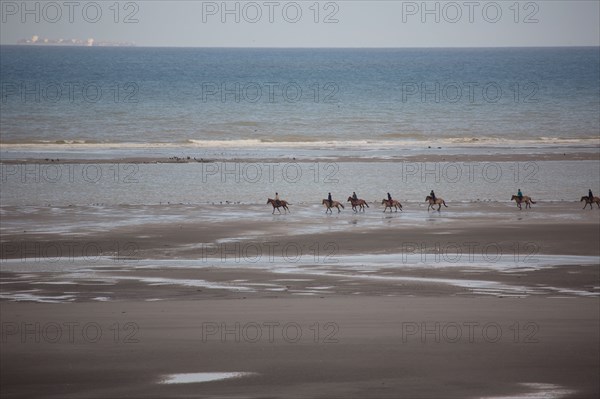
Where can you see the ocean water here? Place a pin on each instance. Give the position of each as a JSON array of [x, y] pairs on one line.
[[294, 121], [155, 98]]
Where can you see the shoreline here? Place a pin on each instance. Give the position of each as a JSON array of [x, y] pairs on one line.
[[466, 158]]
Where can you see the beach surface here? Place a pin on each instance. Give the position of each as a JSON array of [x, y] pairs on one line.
[[332, 347], [479, 300]]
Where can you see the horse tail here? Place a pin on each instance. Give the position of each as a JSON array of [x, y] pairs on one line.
[[532, 201], [342, 205], [367, 204], [444, 202]]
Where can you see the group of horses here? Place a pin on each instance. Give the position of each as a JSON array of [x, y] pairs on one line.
[[357, 204], [360, 204]]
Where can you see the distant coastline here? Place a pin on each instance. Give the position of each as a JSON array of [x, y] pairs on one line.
[[35, 40]]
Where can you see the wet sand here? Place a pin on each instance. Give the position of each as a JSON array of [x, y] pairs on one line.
[[373, 347], [527, 319], [493, 155]]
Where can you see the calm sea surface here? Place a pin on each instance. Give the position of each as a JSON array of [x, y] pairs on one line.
[[315, 105]]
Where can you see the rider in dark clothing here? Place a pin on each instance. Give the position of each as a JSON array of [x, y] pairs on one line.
[[329, 199], [354, 196], [590, 195], [277, 199], [432, 195], [389, 197]]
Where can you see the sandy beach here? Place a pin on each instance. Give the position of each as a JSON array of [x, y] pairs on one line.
[[370, 348], [479, 300]]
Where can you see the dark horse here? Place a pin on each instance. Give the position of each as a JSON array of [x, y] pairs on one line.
[[283, 204], [595, 200], [358, 202]]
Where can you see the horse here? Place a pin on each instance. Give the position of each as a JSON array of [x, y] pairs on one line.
[[438, 201], [329, 205], [589, 201], [358, 202], [390, 204], [526, 199], [283, 204]]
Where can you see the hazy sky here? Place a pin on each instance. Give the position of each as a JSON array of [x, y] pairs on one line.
[[354, 23]]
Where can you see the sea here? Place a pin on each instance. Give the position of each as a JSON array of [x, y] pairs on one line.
[[303, 122]]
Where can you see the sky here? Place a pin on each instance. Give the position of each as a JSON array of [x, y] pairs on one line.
[[266, 23]]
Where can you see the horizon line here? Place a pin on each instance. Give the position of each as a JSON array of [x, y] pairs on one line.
[[307, 47]]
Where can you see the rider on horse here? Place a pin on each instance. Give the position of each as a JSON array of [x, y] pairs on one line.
[[590, 195], [432, 195], [277, 199], [520, 195], [330, 200], [354, 196]]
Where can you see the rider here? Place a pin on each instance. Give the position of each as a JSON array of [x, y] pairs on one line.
[[432, 195], [590, 195], [520, 195], [389, 198], [277, 199], [354, 196], [330, 200]]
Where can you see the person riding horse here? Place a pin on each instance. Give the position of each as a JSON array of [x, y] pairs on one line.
[[432, 195], [330, 200], [389, 198], [354, 196], [277, 199], [590, 195]]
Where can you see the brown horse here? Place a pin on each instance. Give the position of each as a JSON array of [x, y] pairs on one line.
[[283, 204], [526, 199], [334, 204], [588, 201], [358, 202], [438, 201], [391, 204]]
